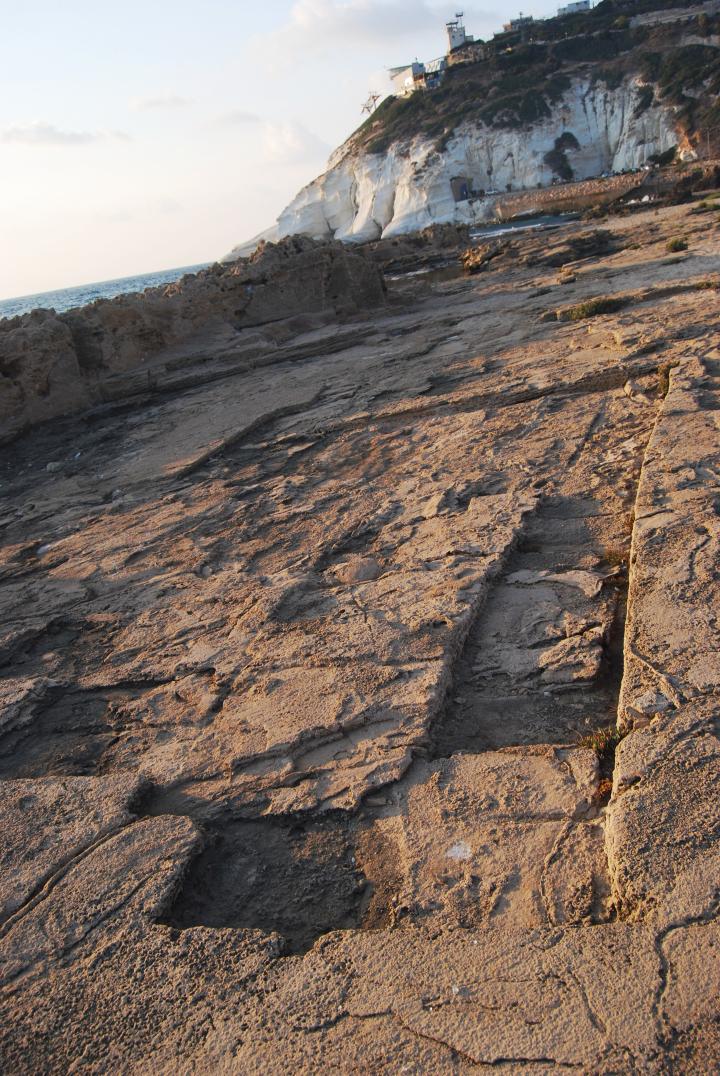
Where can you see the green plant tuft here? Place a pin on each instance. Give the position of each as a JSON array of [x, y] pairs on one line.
[[604, 743], [615, 555], [664, 377], [603, 304], [673, 246]]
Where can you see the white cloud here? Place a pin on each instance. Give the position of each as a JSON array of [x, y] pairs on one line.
[[317, 25], [40, 133], [321, 22], [161, 101], [291, 143], [238, 118], [167, 207], [113, 216]]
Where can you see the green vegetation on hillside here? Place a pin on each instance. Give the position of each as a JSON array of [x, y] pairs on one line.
[[557, 157], [519, 86], [688, 77]]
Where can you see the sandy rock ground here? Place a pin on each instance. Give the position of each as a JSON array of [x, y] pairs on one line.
[[303, 658]]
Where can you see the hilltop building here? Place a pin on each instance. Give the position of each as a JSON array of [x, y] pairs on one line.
[[408, 78], [427, 76], [519, 23], [417, 76], [457, 37], [434, 71], [575, 9]]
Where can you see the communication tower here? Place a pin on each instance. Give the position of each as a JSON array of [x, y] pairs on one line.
[[371, 103], [456, 31]]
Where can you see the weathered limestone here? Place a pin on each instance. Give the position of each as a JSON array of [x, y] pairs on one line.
[[664, 819], [673, 651], [365, 196], [295, 666], [483, 839], [54, 364], [454, 1000], [47, 825]]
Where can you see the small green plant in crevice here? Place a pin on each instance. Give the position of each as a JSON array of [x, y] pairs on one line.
[[591, 308], [673, 246], [664, 377], [707, 285], [604, 743], [629, 522], [616, 556]]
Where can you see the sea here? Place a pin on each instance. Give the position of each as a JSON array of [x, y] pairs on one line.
[[523, 224], [67, 298]]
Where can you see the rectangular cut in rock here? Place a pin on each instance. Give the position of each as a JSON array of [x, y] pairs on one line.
[[479, 833], [347, 679], [663, 820]]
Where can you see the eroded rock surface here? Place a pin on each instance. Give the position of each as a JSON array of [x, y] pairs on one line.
[[56, 364], [302, 671]]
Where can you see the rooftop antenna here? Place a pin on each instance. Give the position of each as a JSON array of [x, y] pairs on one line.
[[371, 103]]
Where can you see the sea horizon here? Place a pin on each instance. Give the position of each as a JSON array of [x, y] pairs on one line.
[[62, 299]]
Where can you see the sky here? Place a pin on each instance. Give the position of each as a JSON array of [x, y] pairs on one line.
[[142, 135]]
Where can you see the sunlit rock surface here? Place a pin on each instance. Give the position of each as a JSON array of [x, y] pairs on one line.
[[313, 659]]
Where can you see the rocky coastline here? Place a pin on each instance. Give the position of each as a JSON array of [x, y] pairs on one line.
[[55, 364], [358, 663]]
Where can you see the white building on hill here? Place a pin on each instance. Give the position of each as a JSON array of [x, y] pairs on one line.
[[408, 78], [456, 33], [575, 9]]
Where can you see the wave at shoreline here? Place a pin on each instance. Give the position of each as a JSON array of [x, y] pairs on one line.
[[82, 294]]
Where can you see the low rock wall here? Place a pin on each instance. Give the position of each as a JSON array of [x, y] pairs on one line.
[[567, 196], [664, 816], [53, 364]]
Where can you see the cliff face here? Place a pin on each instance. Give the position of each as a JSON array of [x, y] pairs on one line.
[[589, 98], [368, 195]]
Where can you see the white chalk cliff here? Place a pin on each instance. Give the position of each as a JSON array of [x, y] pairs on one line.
[[364, 196]]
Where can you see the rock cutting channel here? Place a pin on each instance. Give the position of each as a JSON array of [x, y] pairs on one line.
[[358, 673]]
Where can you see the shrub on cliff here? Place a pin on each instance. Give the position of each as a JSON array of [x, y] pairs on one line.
[[556, 158], [646, 98], [519, 88]]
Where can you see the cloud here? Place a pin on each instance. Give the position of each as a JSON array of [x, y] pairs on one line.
[[40, 133], [317, 25], [114, 216], [161, 101], [154, 207], [166, 207], [323, 22], [238, 118], [291, 143]]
